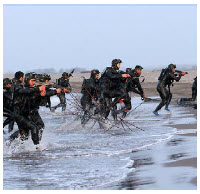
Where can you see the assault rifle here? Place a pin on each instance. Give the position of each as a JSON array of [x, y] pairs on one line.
[[71, 74], [50, 85], [179, 72]]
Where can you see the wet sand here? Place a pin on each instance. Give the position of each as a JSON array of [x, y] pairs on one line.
[[186, 162], [190, 162], [169, 165]]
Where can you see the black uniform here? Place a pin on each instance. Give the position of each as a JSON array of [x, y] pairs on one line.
[[114, 87], [42, 78], [8, 104], [166, 79], [10, 100], [22, 113], [16, 82], [194, 89], [26, 105], [91, 92], [46, 101], [133, 84], [64, 83], [194, 92]]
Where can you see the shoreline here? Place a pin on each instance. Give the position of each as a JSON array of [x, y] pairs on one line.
[[170, 157]]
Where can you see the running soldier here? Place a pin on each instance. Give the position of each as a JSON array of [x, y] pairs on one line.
[[91, 91], [64, 83], [27, 100], [166, 78], [114, 87]]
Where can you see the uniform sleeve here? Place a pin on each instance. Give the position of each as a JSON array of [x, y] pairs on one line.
[[64, 82], [7, 95], [112, 75], [136, 91], [59, 81], [173, 76], [26, 90], [134, 83], [139, 86], [51, 92]]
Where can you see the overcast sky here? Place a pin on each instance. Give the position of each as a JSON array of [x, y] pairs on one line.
[[90, 36]]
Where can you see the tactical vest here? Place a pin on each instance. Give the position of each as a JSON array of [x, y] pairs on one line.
[[163, 73]]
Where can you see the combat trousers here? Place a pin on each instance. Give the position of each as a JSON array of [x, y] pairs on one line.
[[62, 103], [29, 123], [165, 95], [86, 102], [118, 94]]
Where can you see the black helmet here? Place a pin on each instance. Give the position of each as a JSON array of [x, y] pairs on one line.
[[171, 66], [6, 81], [28, 77], [138, 67], [19, 74], [44, 77], [65, 74], [94, 72], [115, 62], [38, 78]]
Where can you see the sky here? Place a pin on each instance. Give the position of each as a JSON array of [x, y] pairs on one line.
[[91, 36]]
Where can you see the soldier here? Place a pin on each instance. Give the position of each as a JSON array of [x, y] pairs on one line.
[[19, 77], [64, 83], [114, 87], [194, 93], [44, 79], [7, 102], [90, 91], [17, 80], [165, 79], [26, 105], [133, 84], [7, 94]]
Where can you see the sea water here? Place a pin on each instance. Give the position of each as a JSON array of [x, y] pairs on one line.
[[85, 157]]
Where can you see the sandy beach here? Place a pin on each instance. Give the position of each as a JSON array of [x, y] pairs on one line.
[[172, 163]]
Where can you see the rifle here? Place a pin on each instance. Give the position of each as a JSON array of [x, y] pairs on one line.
[[180, 72], [71, 74], [50, 85]]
